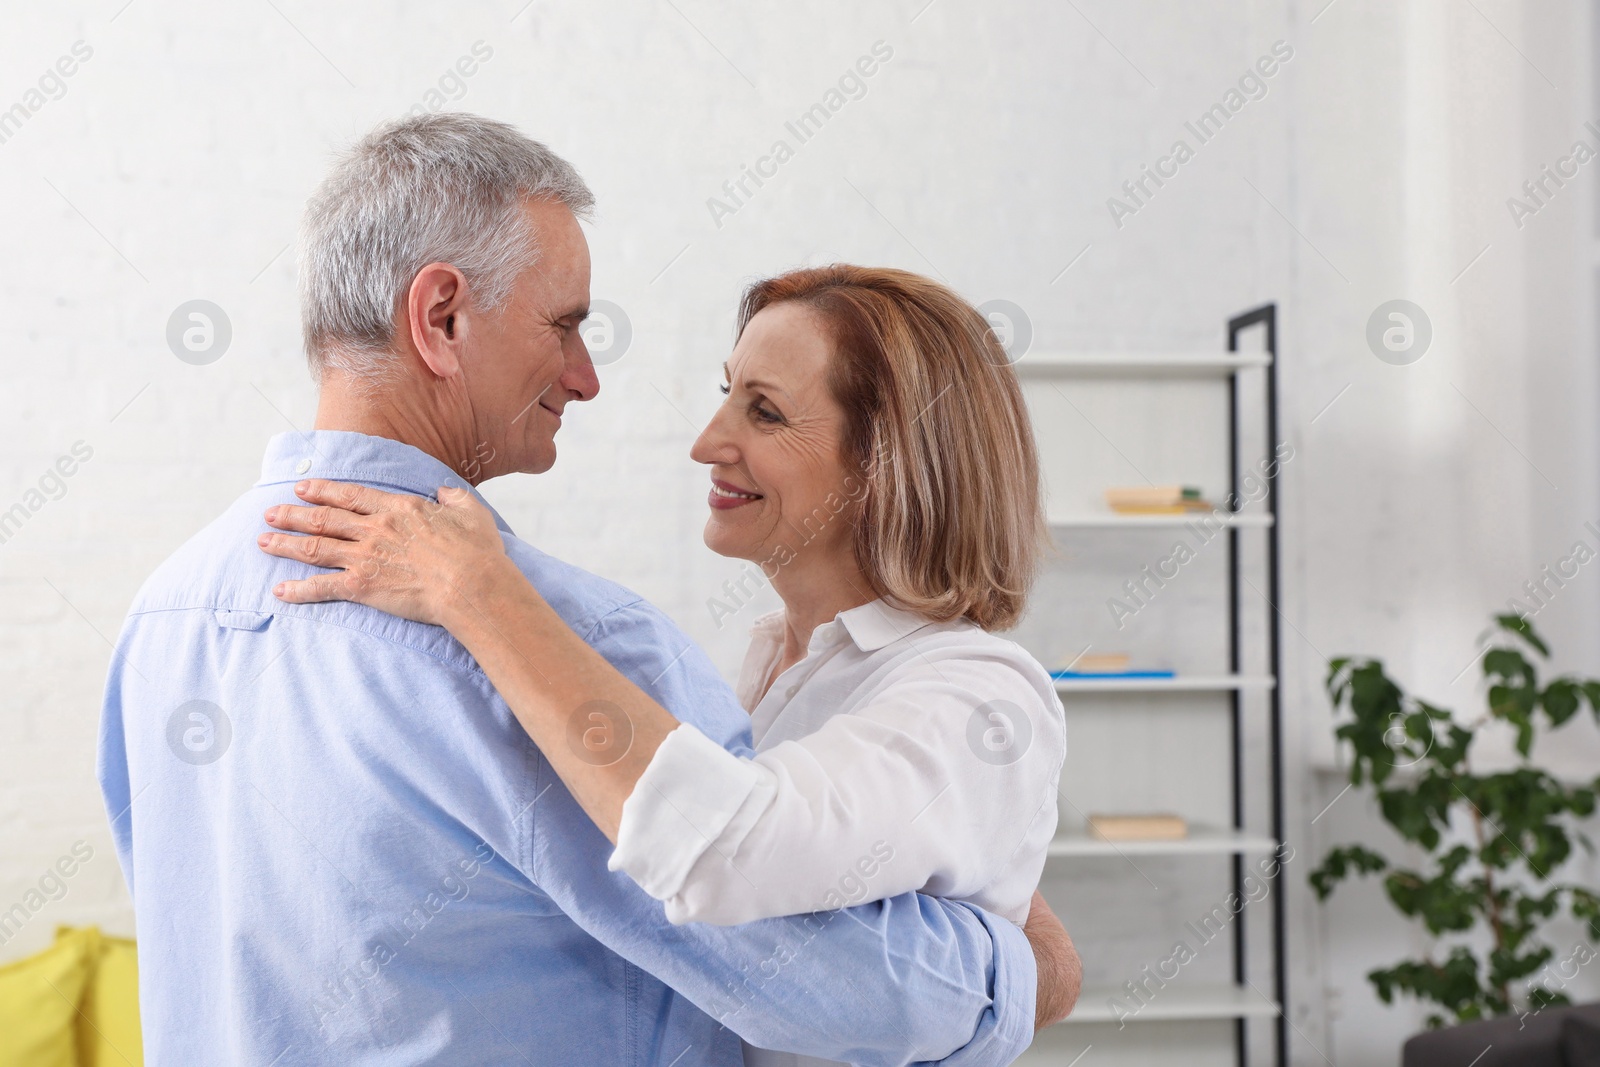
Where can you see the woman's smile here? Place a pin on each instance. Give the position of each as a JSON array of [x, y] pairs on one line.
[[726, 495]]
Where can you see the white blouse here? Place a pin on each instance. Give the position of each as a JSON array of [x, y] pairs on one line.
[[899, 754]]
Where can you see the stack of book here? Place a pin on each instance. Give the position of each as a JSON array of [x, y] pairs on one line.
[[1097, 663], [1104, 665], [1156, 499], [1154, 827]]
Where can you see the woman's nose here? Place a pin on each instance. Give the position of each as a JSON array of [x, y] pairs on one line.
[[714, 445]]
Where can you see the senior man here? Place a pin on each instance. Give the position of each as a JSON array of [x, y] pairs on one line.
[[341, 846]]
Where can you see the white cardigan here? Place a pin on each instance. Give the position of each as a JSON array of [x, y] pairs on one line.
[[899, 754]]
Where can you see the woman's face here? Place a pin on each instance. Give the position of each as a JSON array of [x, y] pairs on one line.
[[780, 491]]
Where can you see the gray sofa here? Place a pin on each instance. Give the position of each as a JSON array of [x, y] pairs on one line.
[[1555, 1037]]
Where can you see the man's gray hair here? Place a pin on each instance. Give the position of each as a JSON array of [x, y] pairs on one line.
[[436, 188]]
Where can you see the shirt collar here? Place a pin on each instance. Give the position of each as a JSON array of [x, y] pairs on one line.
[[769, 626], [878, 623], [871, 626], [357, 457]]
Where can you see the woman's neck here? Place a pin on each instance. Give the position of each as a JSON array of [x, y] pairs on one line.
[[813, 598]]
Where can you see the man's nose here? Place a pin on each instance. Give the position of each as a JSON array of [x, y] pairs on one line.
[[578, 376]]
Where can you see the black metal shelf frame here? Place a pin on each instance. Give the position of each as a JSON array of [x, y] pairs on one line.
[[1266, 315]]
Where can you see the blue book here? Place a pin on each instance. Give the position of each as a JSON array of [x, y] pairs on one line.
[[1062, 676]]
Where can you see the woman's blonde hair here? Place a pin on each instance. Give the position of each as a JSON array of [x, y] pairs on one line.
[[952, 519]]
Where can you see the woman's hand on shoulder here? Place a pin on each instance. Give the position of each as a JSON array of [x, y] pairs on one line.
[[396, 552]]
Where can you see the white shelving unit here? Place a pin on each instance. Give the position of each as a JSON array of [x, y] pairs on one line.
[[1243, 999], [1196, 1000], [1202, 840], [1111, 518], [1180, 683], [1137, 364]]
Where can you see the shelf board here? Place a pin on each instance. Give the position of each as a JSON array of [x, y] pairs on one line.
[[1183, 683], [1137, 364], [1191, 1000], [1111, 518], [1202, 840]]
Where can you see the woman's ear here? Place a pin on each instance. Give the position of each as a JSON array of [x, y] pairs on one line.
[[434, 316]]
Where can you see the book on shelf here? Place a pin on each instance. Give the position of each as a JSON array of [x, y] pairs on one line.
[[1199, 507], [1095, 662], [1155, 499], [1067, 676], [1103, 665], [1159, 826]]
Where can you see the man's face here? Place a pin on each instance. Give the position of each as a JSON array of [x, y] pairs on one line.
[[527, 359]]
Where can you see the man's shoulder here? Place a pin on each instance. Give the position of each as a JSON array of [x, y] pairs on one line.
[[588, 603], [220, 568], [641, 641]]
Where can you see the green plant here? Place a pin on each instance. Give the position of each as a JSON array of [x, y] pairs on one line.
[[1492, 842]]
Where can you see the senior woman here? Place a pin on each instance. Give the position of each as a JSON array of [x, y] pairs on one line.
[[874, 457]]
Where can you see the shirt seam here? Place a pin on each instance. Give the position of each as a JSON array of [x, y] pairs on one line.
[[602, 620], [353, 474], [533, 761], [471, 668], [368, 478]]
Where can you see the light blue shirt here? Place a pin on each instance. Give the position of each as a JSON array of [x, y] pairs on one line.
[[343, 849]]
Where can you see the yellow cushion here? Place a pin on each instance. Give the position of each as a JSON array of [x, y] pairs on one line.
[[39, 1002], [108, 1023]]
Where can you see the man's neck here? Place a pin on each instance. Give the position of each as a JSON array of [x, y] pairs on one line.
[[398, 414]]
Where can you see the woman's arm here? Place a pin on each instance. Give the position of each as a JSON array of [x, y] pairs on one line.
[[892, 798], [445, 564]]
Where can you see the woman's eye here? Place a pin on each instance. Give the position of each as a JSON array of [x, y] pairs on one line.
[[724, 388], [767, 416]]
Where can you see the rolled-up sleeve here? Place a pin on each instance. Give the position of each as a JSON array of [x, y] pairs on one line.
[[683, 802], [907, 979], [898, 796]]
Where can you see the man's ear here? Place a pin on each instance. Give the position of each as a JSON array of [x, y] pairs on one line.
[[434, 306]]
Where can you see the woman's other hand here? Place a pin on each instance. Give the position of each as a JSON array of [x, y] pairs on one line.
[[399, 553]]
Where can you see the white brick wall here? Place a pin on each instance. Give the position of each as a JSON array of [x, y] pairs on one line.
[[176, 161]]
